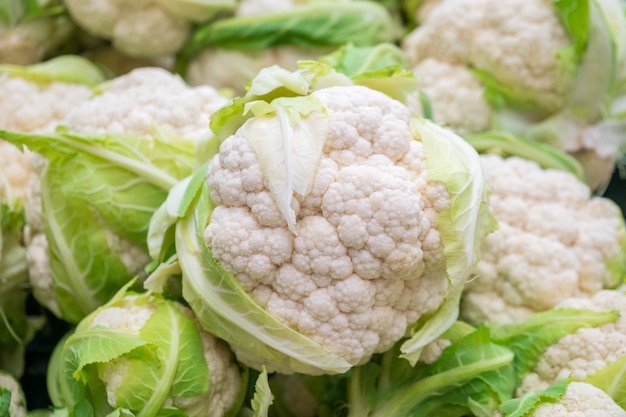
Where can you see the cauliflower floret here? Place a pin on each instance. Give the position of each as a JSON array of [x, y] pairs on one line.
[[138, 28], [580, 400], [129, 315], [367, 259], [16, 174], [456, 95], [582, 353], [446, 33], [554, 242]]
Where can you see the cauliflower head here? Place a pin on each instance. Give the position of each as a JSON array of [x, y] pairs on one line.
[[588, 350], [41, 95], [366, 260], [540, 69], [190, 370], [517, 42], [150, 102], [555, 241]]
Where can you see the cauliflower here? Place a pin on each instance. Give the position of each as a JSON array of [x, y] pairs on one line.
[[143, 28], [38, 107], [329, 226], [555, 241], [527, 67], [516, 43], [148, 102], [190, 370], [579, 400], [366, 258], [41, 96], [581, 354]]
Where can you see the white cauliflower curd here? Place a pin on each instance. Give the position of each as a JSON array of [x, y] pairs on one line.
[[145, 99], [555, 241]]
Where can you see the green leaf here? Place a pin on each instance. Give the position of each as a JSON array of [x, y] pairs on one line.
[[472, 368], [507, 144], [520, 407], [198, 10], [5, 402], [463, 226], [263, 398], [353, 60], [100, 344], [179, 370], [315, 24], [99, 193], [574, 16], [72, 69]]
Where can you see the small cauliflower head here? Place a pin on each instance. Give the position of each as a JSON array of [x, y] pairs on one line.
[[555, 241], [160, 359], [16, 175], [143, 28], [588, 350]]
